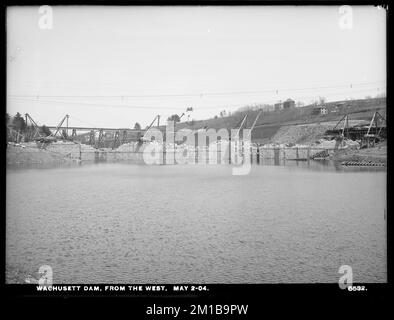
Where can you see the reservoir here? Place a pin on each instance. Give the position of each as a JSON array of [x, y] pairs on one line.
[[127, 223]]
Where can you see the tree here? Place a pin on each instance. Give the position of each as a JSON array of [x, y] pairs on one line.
[[381, 95], [174, 118], [7, 118], [19, 123], [45, 130], [137, 126], [222, 113], [322, 100]]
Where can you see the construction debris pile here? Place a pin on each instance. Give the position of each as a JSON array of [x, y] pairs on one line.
[[333, 144], [29, 153]]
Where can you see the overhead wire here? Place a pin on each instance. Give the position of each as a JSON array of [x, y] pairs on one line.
[[158, 107], [201, 94]]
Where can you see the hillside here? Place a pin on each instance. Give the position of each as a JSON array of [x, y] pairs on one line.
[[296, 125], [273, 122]]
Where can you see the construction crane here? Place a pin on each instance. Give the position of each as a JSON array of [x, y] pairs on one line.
[[32, 136], [240, 125], [143, 138], [254, 124], [370, 138], [52, 137], [345, 128], [60, 124], [376, 117]]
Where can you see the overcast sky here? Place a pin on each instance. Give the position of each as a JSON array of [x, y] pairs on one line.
[[114, 66]]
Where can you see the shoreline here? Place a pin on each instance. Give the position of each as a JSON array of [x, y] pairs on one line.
[[21, 156], [376, 154]]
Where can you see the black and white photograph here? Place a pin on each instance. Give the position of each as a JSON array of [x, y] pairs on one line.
[[196, 145]]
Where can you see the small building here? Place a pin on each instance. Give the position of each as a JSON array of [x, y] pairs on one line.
[[289, 104], [320, 110], [323, 110]]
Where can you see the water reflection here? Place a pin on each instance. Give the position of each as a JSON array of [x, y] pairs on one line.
[[315, 165]]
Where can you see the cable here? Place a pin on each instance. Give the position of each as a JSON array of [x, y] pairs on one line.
[[171, 108], [275, 90]]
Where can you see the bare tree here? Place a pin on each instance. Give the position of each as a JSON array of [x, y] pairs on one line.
[[322, 100]]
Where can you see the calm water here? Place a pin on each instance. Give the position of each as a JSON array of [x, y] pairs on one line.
[[125, 223]]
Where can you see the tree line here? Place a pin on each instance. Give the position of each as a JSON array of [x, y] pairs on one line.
[[18, 123]]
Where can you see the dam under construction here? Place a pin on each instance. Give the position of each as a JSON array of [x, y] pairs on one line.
[[165, 145]]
